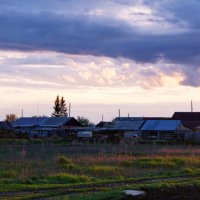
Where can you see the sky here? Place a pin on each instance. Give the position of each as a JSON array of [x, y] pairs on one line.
[[139, 56]]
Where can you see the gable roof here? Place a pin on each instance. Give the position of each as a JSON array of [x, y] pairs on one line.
[[127, 123], [161, 125], [157, 118], [29, 121], [189, 119], [128, 118], [187, 116], [45, 121], [191, 124], [103, 124], [58, 121]]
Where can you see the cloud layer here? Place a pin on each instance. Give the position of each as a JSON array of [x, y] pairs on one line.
[[55, 70], [146, 32]]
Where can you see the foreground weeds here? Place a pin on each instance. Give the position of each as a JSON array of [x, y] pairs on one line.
[[25, 167]]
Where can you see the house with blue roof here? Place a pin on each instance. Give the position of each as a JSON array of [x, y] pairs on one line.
[[60, 126], [27, 124], [45, 126], [164, 129], [121, 127], [131, 126]]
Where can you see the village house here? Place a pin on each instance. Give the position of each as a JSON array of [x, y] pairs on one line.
[[120, 128], [182, 126], [164, 130], [61, 126], [190, 120], [130, 126], [27, 124], [45, 126]]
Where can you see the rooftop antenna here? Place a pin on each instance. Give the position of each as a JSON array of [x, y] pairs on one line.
[[128, 115], [102, 118], [191, 106], [22, 113], [119, 113], [38, 107]]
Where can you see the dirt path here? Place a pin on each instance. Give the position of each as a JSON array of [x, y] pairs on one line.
[[91, 187], [175, 193]]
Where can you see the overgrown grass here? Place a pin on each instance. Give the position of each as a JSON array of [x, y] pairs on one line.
[[118, 194], [104, 171], [68, 178], [105, 195], [8, 174], [63, 160], [26, 166], [26, 161], [159, 162]]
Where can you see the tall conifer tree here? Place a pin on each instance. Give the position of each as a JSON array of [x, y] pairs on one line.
[[63, 107], [56, 107], [60, 108]]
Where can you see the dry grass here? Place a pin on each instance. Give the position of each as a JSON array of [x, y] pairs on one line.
[[102, 162], [100, 159], [181, 151]]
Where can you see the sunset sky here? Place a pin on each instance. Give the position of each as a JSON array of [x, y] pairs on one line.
[[141, 56]]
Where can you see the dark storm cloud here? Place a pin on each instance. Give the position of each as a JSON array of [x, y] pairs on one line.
[[183, 11], [86, 35], [65, 26]]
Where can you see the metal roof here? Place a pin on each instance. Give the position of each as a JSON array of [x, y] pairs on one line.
[[29, 121], [56, 121], [42, 121], [129, 124], [128, 118], [187, 116], [44, 129], [161, 125]]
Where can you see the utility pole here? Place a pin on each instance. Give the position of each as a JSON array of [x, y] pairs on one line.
[[191, 106], [38, 104], [22, 113]]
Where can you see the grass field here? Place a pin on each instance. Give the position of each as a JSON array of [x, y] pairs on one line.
[[49, 167]]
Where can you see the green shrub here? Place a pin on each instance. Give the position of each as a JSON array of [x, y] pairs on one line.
[[179, 162], [104, 170], [187, 170], [127, 163], [72, 167], [62, 160], [8, 174], [68, 178], [147, 162], [29, 181], [167, 163]]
